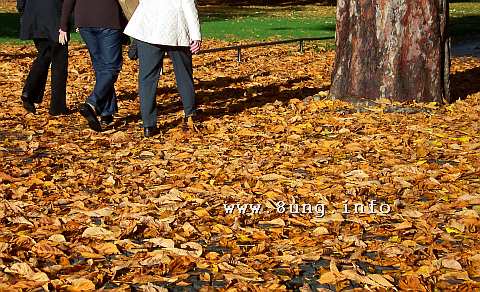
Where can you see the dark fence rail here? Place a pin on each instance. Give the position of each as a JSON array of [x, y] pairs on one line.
[[238, 48]]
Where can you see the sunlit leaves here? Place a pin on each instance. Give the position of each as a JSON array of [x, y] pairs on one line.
[[81, 210]]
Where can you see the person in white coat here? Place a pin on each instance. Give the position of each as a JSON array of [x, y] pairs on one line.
[[165, 26]]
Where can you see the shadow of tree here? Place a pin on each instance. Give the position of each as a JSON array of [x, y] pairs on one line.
[[238, 100], [132, 118], [464, 83], [221, 82], [231, 100], [464, 26], [130, 96], [174, 106]]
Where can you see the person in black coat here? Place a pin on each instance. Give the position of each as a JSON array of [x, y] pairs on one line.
[[40, 22]]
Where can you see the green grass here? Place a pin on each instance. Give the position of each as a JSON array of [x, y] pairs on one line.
[[268, 28], [252, 28], [266, 23]]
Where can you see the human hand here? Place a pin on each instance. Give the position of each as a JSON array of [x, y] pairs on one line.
[[62, 37], [195, 46]]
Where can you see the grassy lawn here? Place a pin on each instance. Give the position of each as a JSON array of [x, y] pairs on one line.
[[267, 23], [264, 28], [253, 24]]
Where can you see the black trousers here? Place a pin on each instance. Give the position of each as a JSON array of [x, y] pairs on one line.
[[56, 55]]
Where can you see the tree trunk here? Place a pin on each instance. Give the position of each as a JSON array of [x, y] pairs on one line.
[[396, 49]]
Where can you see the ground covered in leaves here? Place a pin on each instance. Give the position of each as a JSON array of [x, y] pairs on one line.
[[81, 210]]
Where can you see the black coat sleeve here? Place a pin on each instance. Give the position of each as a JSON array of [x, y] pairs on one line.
[[20, 6]]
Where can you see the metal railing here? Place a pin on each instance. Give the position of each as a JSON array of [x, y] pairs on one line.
[[238, 48]]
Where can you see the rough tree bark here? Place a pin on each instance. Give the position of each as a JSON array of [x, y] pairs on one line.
[[397, 49]]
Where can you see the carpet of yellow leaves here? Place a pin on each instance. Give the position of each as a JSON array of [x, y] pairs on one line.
[[81, 210]]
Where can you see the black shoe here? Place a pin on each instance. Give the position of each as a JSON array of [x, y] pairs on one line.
[[106, 121], [28, 105], [149, 131], [89, 114]]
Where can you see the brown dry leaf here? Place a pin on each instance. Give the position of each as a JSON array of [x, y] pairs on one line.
[[354, 276], [20, 220], [3, 246], [246, 132], [278, 222], [357, 174], [152, 288], [202, 213], [334, 269], [272, 177], [43, 249], [21, 269], [195, 249], [57, 238], [156, 259], [426, 271], [81, 284], [380, 280], [188, 229], [119, 137], [161, 242], [104, 212], [258, 248], [475, 259], [107, 248], [404, 225], [320, 231], [328, 278], [98, 233], [412, 213], [231, 277], [219, 228], [451, 264], [91, 255], [411, 283], [457, 275]]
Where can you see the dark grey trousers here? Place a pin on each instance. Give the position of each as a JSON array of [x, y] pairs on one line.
[[151, 61]]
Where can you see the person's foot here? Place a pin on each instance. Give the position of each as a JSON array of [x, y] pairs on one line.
[[28, 105], [87, 111], [106, 121], [149, 131]]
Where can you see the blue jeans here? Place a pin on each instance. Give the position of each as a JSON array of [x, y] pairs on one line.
[[105, 48]]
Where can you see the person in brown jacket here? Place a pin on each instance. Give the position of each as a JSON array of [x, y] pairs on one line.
[[100, 24]]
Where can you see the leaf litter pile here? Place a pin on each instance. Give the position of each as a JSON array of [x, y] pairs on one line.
[[349, 198]]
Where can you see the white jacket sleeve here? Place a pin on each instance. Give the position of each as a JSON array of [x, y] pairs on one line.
[[191, 15]]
